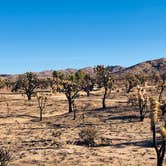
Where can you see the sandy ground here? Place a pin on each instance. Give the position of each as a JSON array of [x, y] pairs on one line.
[[121, 139]]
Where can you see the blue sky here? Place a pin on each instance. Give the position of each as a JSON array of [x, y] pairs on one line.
[[38, 35]]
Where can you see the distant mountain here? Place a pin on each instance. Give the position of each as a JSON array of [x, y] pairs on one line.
[[148, 67], [88, 70]]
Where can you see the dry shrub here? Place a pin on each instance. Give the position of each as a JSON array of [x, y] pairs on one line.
[[5, 157], [88, 135]]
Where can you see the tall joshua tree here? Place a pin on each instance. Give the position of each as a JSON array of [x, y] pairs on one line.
[[27, 83], [155, 119], [69, 84], [103, 80]]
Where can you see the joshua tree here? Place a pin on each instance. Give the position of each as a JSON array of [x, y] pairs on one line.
[[131, 82], [87, 81], [155, 119], [141, 78], [103, 79], [2, 83], [142, 103], [162, 85], [88, 84], [69, 84], [42, 100], [27, 82]]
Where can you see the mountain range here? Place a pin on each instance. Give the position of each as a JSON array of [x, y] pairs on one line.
[[147, 67]]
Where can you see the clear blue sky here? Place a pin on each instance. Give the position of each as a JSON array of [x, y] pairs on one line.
[[38, 35]]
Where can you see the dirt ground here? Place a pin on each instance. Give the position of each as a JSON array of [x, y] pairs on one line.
[[121, 139]]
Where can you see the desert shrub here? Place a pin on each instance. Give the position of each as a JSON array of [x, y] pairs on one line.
[[88, 135], [5, 157], [132, 99]]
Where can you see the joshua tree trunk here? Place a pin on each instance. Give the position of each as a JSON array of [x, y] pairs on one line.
[[161, 92], [141, 109], [70, 102], [41, 113], [41, 118], [29, 96], [160, 152], [104, 97], [74, 113], [88, 93]]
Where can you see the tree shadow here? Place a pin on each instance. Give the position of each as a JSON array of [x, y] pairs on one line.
[[125, 118], [19, 116], [143, 143]]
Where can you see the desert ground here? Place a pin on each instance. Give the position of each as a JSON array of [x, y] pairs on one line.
[[122, 140]]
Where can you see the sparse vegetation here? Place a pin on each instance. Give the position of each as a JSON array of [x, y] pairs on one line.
[[116, 133]]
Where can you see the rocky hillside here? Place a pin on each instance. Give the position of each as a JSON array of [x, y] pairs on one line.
[[148, 67]]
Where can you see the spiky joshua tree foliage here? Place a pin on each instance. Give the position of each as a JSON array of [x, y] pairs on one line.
[[156, 121]]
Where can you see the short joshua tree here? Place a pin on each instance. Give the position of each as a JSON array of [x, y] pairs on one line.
[[42, 101], [142, 102]]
